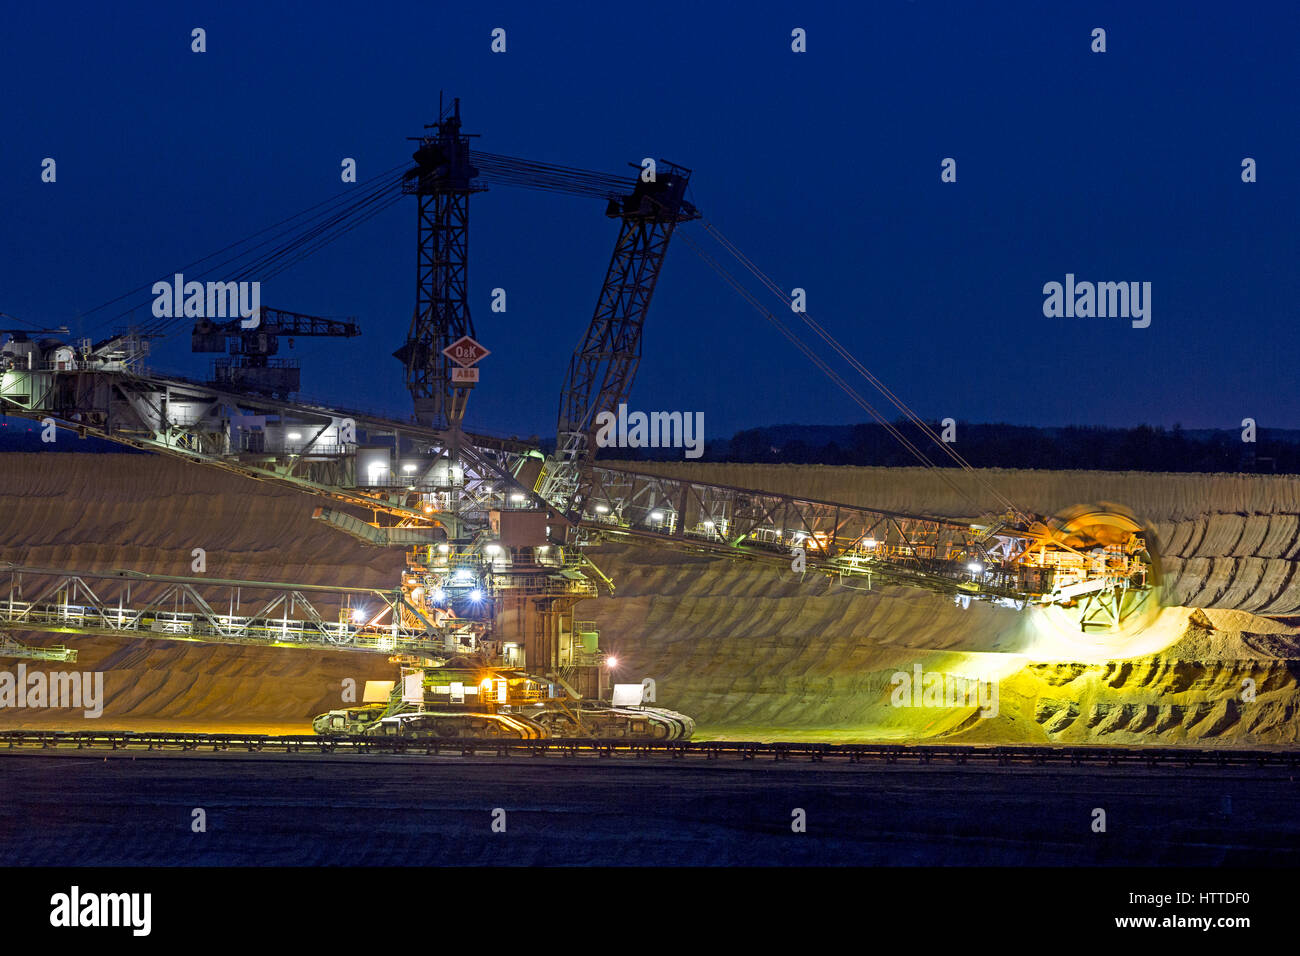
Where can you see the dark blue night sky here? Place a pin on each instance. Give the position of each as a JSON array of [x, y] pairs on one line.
[[824, 166]]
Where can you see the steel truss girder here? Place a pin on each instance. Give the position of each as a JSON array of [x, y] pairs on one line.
[[603, 366], [1109, 607], [198, 423], [186, 608], [58, 652], [251, 435], [835, 538]]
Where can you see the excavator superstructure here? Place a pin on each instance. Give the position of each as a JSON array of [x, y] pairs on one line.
[[497, 532]]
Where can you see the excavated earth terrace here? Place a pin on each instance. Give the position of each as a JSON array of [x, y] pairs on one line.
[[752, 652]]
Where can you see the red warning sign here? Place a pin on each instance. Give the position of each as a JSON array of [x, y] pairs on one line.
[[465, 351]]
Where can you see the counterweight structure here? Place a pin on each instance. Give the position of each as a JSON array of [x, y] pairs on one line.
[[251, 365]]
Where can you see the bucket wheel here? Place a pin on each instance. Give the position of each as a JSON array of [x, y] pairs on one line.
[[1131, 600]]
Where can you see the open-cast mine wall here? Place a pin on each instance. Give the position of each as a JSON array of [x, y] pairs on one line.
[[750, 652]]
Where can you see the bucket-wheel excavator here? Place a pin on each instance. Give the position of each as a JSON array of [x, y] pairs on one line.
[[495, 531]]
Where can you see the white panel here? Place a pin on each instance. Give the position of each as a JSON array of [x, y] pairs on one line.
[[377, 691], [627, 695], [412, 691]]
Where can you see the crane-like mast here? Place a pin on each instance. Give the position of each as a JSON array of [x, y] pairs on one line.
[[442, 181], [605, 362], [251, 364]]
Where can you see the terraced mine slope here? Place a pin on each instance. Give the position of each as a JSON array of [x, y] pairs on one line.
[[750, 652]]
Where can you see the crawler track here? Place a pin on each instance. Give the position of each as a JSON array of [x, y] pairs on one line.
[[29, 741]]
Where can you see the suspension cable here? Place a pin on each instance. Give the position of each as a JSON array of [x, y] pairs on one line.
[[287, 235], [300, 238], [298, 215], [293, 239], [852, 360], [826, 369], [532, 174]]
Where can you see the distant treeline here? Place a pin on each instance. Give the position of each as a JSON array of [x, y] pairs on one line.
[[1143, 448]]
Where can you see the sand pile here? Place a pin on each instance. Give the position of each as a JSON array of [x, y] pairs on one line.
[[751, 652]]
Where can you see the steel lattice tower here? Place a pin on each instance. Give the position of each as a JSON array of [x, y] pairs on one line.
[[442, 181], [604, 364]]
